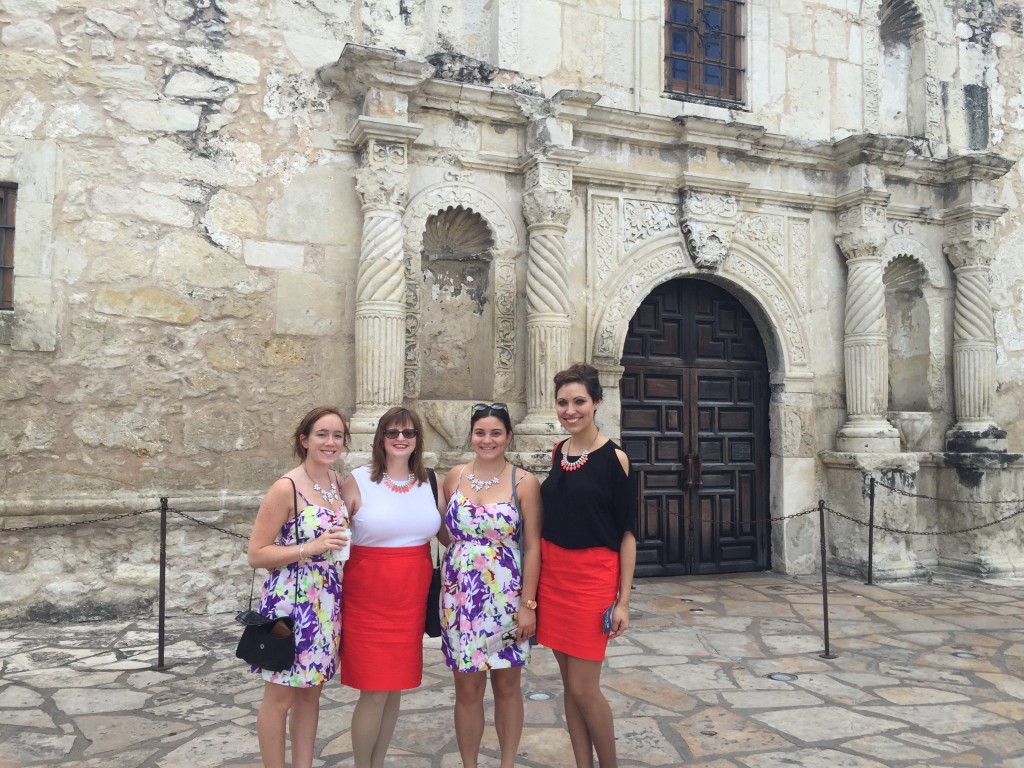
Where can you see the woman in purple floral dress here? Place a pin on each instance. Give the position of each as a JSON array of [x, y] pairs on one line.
[[489, 583], [310, 492]]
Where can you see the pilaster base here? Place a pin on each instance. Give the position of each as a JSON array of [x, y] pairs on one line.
[[858, 569], [363, 426], [988, 439], [868, 437], [984, 565], [537, 434]]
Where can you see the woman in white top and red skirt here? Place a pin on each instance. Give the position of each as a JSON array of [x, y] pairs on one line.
[[588, 552], [394, 516]]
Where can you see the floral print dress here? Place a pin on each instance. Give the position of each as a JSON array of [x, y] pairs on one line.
[[317, 612], [481, 583]]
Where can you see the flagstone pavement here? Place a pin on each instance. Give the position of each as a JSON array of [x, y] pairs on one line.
[[923, 675]]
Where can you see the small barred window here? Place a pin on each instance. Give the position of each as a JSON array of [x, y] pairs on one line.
[[704, 49]]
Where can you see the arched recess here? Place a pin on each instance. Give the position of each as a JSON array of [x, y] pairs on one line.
[[506, 245], [764, 293], [915, 305], [902, 92], [772, 303]]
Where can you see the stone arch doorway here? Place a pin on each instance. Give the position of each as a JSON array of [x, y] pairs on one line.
[[694, 422]]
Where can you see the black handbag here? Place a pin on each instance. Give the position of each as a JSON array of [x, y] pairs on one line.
[[432, 625], [269, 643]]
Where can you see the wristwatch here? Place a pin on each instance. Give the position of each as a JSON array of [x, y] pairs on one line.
[[531, 604]]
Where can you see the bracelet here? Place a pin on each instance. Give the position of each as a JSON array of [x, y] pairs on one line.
[[301, 547]]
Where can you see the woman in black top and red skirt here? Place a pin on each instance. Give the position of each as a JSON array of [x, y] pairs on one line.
[[588, 551]]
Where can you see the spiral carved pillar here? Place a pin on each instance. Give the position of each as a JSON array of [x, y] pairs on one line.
[[861, 235], [968, 248], [380, 286], [547, 207]]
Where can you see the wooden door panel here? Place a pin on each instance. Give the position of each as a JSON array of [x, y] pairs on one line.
[[694, 425]]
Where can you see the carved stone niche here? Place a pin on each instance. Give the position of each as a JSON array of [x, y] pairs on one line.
[[456, 329]]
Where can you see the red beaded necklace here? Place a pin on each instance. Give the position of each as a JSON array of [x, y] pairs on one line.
[[399, 487], [572, 466]]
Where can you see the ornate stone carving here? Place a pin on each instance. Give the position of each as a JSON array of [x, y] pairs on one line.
[[381, 188], [905, 245], [969, 247], [606, 220], [754, 276], [385, 154], [626, 288], [708, 222], [768, 233], [549, 175], [861, 235], [799, 231], [380, 265], [504, 324], [509, 22], [544, 205], [506, 246], [645, 219]]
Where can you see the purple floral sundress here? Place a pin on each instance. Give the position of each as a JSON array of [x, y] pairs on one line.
[[318, 614], [481, 584]]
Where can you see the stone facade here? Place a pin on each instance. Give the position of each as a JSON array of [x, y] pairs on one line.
[[229, 211]]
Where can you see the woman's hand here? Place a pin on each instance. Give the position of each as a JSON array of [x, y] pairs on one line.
[[620, 620], [332, 541], [527, 619]]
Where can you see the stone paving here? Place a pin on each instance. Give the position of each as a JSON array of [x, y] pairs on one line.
[[924, 675]]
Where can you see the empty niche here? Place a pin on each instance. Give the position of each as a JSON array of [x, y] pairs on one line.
[[903, 108], [907, 317], [456, 329]]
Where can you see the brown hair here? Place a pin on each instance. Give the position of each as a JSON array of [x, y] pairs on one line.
[[306, 426], [394, 418], [581, 373]]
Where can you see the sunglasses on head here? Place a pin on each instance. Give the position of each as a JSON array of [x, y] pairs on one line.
[[493, 406], [392, 434]]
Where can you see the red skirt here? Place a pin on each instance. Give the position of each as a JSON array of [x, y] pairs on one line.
[[575, 589], [384, 598]]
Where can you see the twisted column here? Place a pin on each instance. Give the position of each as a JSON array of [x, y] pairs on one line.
[[547, 207], [860, 236], [380, 287], [968, 248]]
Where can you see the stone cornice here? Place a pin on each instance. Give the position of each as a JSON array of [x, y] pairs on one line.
[[383, 129], [360, 67], [692, 139]]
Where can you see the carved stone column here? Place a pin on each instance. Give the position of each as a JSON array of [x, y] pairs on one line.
[[547, 207], [382, 185], [969, 248], [380, 82], [861, 235]]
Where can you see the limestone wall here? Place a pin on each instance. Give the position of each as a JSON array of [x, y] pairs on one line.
[[188, 235]]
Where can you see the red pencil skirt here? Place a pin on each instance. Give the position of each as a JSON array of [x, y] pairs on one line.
[[384, 597], [575, 589]]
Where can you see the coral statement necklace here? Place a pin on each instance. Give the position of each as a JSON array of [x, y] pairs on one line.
[[572, 466]]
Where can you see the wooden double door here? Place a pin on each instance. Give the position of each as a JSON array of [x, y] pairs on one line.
[[695, 427]]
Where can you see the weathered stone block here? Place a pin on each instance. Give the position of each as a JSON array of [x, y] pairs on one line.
[[149, 302]]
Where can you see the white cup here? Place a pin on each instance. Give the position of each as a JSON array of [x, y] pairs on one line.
[[346, 549]]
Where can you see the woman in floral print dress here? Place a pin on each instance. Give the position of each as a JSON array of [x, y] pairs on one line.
[[315, 602], [489, 583]]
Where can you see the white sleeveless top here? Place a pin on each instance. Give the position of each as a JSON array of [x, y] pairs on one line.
[[389, 519]]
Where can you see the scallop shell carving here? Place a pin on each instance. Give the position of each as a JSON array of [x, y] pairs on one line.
[[456, 233]]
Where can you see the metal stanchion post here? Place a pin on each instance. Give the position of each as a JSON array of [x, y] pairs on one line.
[[824, 578], [871, 530], [160, 666]]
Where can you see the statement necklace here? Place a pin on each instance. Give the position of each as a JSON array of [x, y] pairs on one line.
[[572, 466], [484, 485], [330, 496], [399, 487]]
